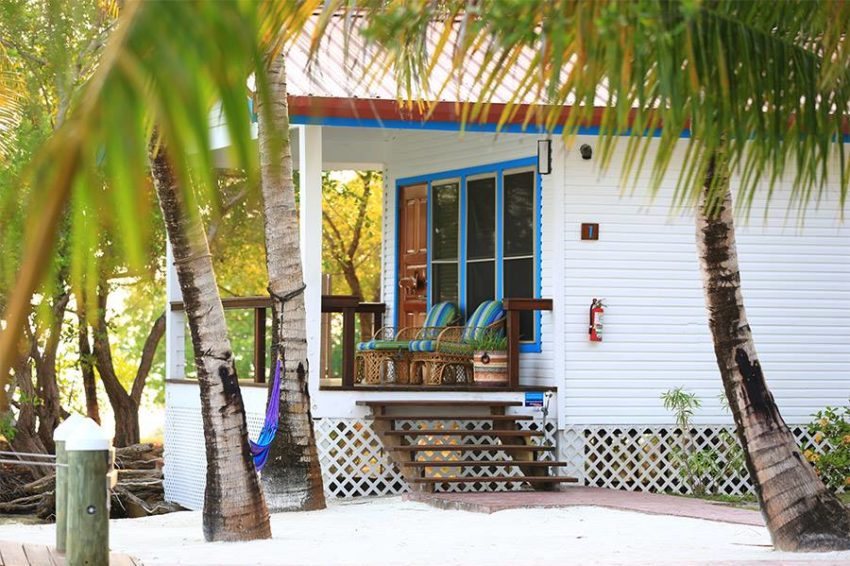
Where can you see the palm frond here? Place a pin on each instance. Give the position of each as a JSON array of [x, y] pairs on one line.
[[766, 82], [165, 65]]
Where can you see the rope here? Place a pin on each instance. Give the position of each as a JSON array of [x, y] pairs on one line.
[[283, 299], [190, 258], [30, 454], [33, 463]]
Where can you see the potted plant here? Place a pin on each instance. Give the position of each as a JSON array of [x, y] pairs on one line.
[[490, 359]]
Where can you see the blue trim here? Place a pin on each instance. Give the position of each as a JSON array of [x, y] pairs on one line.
[[461, 248], [450, 126], [430, 222], [500, 229], [497, 169], [397, 253]]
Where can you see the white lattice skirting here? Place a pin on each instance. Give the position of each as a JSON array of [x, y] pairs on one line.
[[637, 458]]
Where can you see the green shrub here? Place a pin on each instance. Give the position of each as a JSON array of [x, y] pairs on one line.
[[830, 453]]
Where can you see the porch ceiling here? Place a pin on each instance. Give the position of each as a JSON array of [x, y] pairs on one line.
[[358, 147]]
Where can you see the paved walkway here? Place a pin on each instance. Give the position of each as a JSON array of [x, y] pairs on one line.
[[18, 554], [653, 503]]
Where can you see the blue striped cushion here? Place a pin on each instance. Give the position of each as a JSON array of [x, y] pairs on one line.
[[486, 314], [422, 345], [440, 316], [365, 346]]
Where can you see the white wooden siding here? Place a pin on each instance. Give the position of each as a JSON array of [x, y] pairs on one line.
[[796, 284]]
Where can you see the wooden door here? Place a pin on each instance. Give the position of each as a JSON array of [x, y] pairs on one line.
[[413, 255]]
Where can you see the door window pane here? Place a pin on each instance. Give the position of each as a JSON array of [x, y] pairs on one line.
[[444, 282], [480, 284], [481, 218], [519, 283], [519, 214], [445, 213]]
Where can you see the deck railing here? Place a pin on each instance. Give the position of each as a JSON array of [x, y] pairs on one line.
[[350, 307]]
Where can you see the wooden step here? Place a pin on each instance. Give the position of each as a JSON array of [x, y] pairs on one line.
[[488, 463], [508, 418], [498, 479], [470, 447], [463, 432], [439, 403]]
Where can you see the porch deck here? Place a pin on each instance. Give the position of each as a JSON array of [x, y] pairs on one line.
[[22, 554]]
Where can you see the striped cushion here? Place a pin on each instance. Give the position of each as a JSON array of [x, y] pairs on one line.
[[422, 345], [390, 344], [440, 316], [365, 346], [486, 314]]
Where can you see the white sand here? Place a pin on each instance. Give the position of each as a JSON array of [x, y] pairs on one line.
[[388, 531]]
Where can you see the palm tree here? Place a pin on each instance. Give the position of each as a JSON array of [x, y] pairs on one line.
[[761, 86], [164, 64], [293, 476], [234, 507]]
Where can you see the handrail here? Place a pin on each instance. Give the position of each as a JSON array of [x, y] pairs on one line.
[[348, 305], [513, 308]]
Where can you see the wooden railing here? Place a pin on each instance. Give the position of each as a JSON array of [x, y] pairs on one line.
[[513, 308], [348, 305]]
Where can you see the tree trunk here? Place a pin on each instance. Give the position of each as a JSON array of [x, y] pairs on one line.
[[86, 364], [801, 514], [234, 506], [292, 476]]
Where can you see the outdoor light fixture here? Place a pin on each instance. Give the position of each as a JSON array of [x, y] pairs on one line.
[[544, 156], [586, 151]]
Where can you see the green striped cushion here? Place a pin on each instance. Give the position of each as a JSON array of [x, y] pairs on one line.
[[440, 316], [486, 314], [390, 345]]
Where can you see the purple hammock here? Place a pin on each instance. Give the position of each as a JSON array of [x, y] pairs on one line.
[[260, 448]]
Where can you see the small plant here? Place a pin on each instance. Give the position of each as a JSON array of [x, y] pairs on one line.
[[830, 453], [489, 341], [701, 468]]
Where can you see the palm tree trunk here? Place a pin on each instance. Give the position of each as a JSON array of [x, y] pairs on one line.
[[801, 514], [234, 507], [292, 477]]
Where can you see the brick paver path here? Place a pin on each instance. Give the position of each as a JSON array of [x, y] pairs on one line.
[[653, 503]]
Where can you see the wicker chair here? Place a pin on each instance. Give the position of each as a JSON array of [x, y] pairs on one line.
[[386, 358], [448, 358]]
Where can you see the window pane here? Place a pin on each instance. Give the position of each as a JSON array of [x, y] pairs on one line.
[[519, 214], [481, 218], [519, 283], [480, 284], [445, 221], [444, 284]]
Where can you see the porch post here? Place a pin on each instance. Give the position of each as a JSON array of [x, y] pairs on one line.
[[310, 167], [175, 322]]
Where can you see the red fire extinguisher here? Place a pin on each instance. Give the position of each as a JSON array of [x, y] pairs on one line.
[[597, 312]]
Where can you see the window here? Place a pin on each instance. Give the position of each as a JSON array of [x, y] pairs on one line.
[[445, 199], [518, 268], [484, 227], [480, 241]]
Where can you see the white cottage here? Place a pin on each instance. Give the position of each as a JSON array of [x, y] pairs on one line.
[[470, 215]]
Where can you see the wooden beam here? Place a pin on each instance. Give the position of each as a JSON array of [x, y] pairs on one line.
[[348, 345], [259, 345], [513, 348]]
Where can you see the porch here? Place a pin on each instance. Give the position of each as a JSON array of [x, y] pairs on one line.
[[340, 343]]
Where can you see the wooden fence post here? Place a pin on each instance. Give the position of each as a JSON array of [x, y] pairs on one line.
[[60, 436], [88, 450]]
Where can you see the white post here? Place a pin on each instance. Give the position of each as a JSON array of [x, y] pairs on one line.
[[310, 192], [60, 436], [175, 322]]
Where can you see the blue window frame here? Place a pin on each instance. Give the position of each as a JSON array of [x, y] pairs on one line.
[[481, 262]]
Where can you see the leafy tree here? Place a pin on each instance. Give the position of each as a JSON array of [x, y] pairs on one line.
[[763, 89]]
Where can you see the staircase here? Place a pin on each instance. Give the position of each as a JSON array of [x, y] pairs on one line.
[[449, 443]]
